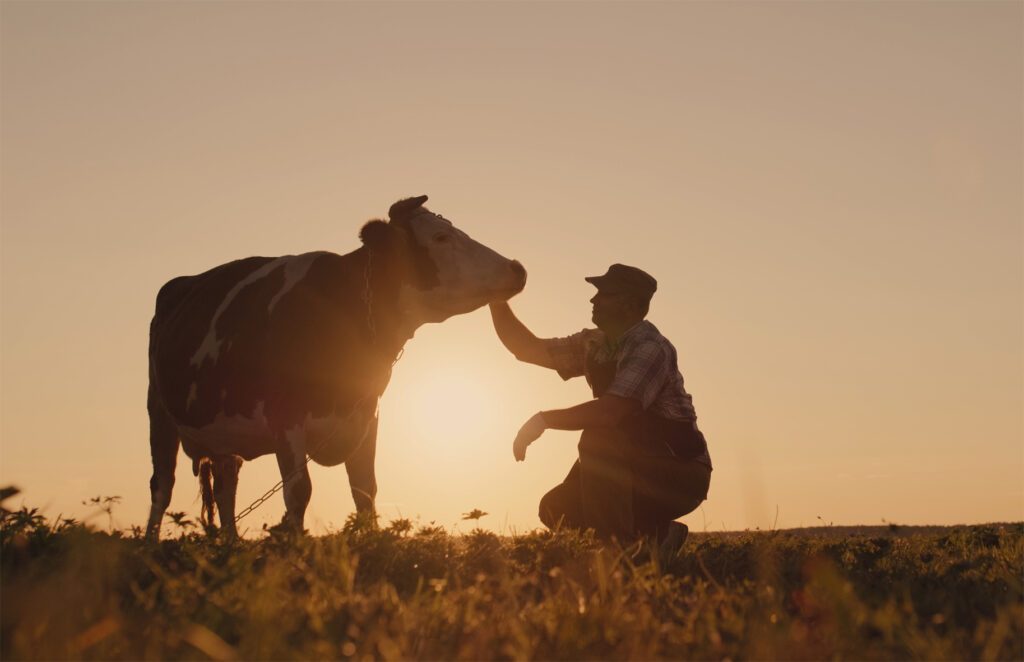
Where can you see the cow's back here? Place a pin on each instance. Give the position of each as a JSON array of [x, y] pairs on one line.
[[202, 291], [185, 309], [272, 340]]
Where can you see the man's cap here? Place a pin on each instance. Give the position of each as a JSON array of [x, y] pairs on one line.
[[622, 278]]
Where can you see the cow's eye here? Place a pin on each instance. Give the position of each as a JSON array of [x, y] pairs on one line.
[[442, 237]]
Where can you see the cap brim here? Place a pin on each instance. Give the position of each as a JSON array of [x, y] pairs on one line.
[[602, 284]]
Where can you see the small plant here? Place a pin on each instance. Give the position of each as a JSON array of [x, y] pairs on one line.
[[105, 505], [893, 526], [359, 523], [65, 523], [181, 520], [25, 520], [400, 526]]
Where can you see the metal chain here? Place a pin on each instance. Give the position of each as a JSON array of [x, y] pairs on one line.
[[260, 501], [368, 299], [368, 295], [294, 472]]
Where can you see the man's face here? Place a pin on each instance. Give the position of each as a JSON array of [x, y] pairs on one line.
[[611, 308]]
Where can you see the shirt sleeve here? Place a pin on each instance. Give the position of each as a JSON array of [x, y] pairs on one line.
[[569, 354], [641, 373]]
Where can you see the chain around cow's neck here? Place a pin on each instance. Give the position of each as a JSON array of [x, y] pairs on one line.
[[368, 295], [371, 323]]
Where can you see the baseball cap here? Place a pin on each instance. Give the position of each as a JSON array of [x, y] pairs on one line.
[[623, 278]]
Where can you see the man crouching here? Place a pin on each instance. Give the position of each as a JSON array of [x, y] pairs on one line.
[[642, 460]]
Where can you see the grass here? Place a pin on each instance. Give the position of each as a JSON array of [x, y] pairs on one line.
[[401, 592]]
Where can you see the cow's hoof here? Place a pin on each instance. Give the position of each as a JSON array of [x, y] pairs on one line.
[[362, 521], [284, 529], [222, 534]]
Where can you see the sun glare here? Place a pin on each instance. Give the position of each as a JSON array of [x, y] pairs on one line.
[[454, 406]]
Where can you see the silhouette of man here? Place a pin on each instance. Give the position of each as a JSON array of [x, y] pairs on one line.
[[642, 460]]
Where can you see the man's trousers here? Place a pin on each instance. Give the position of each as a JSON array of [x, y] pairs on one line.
[[621, 492]]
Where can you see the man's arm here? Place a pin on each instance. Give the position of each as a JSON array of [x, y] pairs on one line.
[[517, 338], [606, 411]]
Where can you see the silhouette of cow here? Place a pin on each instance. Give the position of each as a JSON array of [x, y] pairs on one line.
[[290, 355]]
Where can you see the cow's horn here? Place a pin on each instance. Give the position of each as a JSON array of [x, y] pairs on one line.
[[403, 208]]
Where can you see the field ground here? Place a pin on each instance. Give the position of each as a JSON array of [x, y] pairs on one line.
[[399, 592]]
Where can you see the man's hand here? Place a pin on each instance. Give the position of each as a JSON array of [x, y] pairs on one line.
[[516, 338], [529, 433]]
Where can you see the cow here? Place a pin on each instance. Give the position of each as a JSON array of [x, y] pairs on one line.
[[290, 355]]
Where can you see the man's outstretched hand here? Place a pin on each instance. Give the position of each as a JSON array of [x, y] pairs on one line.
[[529, 433]]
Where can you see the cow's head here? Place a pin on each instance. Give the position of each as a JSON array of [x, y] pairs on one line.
[[448, 272]]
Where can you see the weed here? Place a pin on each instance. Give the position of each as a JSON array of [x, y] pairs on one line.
[[390, 592]]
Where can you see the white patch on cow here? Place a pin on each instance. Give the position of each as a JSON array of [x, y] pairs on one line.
[[193, 394], [294, 271], [231, 435], [297, 476], [329, 439], [161, 499], [295, 268], [296, 440], [470, 274]]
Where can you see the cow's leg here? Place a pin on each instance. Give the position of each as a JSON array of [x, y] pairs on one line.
[[225, 485], [163, 445], [362, 477], [291, 460]]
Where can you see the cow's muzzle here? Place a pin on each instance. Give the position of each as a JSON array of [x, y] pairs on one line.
[[517, 283]]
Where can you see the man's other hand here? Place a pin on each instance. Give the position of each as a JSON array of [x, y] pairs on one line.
[[529, 433]]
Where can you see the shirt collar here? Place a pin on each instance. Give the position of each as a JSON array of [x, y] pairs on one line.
[[639, 329]]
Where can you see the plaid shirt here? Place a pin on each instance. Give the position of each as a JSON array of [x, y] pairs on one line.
[[647, 369]]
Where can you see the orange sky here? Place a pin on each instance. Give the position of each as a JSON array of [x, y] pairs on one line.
[[830, 195]]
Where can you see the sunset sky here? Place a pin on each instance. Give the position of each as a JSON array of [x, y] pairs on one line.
[[830, 196]]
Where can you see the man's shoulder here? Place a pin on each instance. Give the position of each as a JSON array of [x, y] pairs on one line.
[[585, 338], [568, 353], [645, 332], [646, 335]]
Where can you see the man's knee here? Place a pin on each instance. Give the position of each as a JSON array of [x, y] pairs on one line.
[[557, 509], [547, 512]]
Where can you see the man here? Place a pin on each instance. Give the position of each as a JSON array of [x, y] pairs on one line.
[[642, 460]]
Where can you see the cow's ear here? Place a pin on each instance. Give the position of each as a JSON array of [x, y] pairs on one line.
[[404, 208], [377, 234]]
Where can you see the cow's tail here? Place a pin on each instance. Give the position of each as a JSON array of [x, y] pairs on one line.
[[204, 469]]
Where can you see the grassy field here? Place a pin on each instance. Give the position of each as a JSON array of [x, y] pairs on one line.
[[398, 591]]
